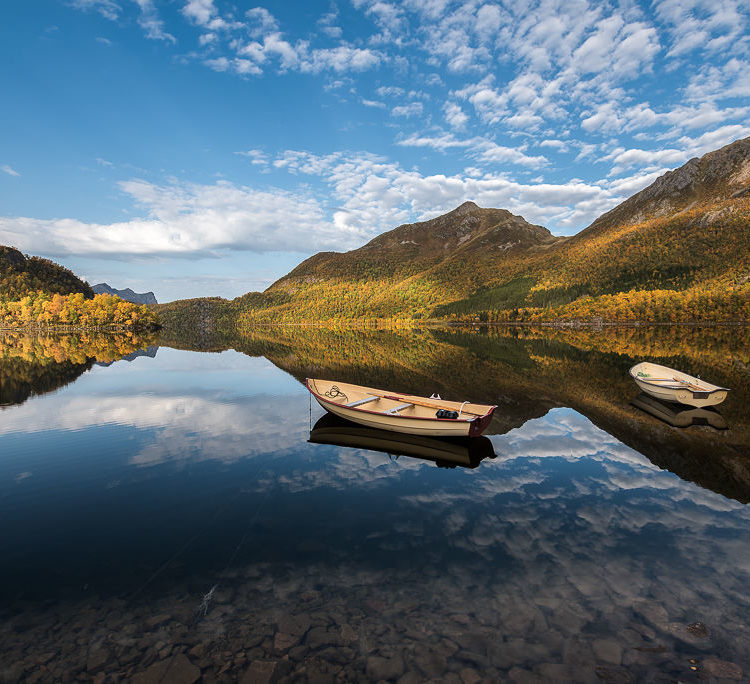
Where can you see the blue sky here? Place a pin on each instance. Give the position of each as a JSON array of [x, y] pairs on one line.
[[204, 147]]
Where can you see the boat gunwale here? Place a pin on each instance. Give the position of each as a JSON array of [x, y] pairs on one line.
[[452, 421], [645, 381]]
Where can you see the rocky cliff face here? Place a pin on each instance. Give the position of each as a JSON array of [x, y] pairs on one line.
[[719, 175], [127, 294]]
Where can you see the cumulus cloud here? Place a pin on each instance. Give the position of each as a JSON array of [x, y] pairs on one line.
[[409, 110], [189, 220], [454, 115]]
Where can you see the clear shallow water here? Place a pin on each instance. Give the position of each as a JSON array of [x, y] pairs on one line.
[[167, 516]]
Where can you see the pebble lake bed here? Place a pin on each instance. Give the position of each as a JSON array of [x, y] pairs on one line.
[[165, 519]]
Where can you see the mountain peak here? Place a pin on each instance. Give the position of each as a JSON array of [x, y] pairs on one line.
[[468, 230]]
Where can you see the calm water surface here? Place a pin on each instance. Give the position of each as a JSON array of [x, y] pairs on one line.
[[166, 517]]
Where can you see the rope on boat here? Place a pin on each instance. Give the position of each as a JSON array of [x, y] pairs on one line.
[[462, 408], [335, 392]]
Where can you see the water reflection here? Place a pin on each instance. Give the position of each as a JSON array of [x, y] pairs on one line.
[[445, 453], [678, 415], [168, 518], [37, 364]]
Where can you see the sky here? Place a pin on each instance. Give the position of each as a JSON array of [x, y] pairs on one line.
[[205, 147]]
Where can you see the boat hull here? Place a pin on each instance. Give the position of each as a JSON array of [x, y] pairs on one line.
[[671, 385], [416, 420]]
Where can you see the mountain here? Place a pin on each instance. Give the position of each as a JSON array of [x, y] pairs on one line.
[[20, 274], [405, 272], [127, 294], [412, 248], [677, 251]]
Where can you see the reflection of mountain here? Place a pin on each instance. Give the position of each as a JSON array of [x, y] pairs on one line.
[[31, 365], [446, 453], [149, 351], [527, 372], [21, 379]]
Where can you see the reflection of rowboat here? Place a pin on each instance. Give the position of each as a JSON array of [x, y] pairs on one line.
[[401, 412], [668, 384], [679, 416], [450, 452]]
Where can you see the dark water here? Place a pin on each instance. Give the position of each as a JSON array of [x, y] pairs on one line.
[[165, 518]]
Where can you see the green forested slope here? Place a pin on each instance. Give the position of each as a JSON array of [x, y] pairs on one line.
[[20, 275]]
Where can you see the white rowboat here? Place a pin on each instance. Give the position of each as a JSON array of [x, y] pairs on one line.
[[400, 412], [668, 384]]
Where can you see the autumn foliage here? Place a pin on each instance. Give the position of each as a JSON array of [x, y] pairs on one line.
[[41, 309]]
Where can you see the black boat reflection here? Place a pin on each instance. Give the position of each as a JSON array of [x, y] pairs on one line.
[[678, 415], [445, 452]]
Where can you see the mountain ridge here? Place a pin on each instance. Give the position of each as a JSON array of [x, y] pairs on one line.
[[127, 294]]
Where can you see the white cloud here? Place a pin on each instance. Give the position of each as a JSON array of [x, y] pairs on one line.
[[107, 8], [339, 59], [720, 81], [376, 195], [373, 103], [9, 170], [711, 140], [257, 157], [479, 149], [409, 110], [390, 91], [454, 115], [626, 159], [150, 22], [199, 11], [704, 25], [559, 145], [190, 219], [491, 152]]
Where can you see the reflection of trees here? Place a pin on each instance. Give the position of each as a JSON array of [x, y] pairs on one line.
[[31, 365], [527, 371]]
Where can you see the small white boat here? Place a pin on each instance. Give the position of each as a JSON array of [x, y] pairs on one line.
[[668, 384], [401, 412]]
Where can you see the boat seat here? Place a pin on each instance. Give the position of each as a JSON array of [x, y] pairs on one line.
[[398, 408], [366, 400]]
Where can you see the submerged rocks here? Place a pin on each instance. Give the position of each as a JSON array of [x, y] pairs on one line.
[[365, 626]]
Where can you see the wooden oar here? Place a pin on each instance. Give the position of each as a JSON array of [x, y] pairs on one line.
[[684, 383], [689, 384], [418, 402]]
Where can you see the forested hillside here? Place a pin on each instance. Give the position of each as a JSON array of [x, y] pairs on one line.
[[20, 275], [38, 293]]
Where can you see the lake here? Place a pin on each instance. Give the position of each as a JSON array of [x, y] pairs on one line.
[[179, 510]]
